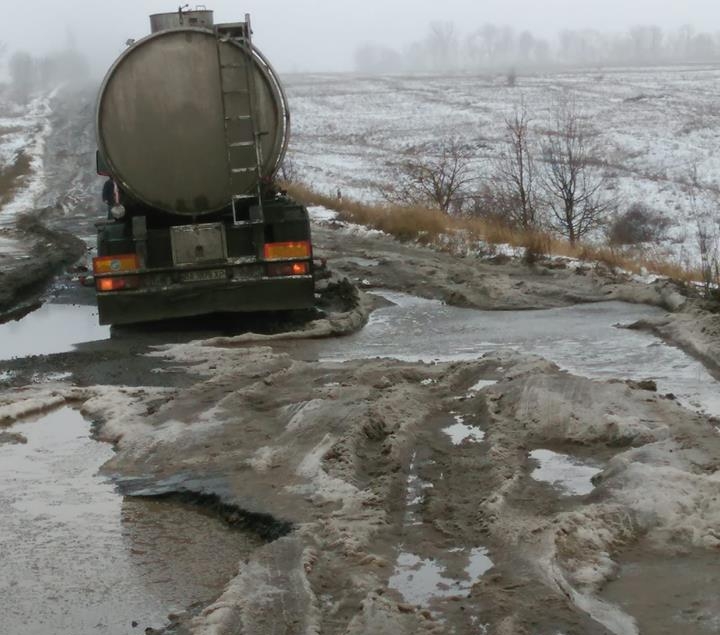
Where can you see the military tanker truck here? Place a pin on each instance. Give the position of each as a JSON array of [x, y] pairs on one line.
[[192, 125]]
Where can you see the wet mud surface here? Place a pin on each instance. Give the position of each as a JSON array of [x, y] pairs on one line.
[[473, 447]]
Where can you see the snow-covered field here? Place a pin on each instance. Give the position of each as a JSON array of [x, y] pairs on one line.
[[23, 132], [656, 126]]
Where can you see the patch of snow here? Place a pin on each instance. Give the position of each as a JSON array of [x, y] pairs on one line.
[[322, 486], [301, 412], [59, 376], [322, 214], [480, 384], [33, 141], [649, 144], [660, 480], [460, 431]]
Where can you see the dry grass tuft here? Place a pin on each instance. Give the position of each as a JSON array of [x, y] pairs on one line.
[[426, 225]]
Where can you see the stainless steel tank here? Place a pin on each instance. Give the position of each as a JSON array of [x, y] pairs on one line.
[[161, 118]]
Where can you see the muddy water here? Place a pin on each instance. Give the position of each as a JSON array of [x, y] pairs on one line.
[[669, 595], [78, 558], [53, 328], [582, 339]]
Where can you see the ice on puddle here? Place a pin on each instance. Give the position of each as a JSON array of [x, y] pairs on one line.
[[419, 580], [565, 472], [480, 384], [460, 431]]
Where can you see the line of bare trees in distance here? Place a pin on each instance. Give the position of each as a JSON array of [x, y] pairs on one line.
[[491, 47], [547, 179], [29, 74]]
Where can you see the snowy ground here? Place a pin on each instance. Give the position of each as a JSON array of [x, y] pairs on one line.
[[656, 126], [23, 131]]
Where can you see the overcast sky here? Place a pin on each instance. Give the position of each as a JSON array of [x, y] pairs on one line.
[[321, 35]]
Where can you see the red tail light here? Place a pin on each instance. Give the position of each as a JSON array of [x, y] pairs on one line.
[[288, 269], [117, 283]]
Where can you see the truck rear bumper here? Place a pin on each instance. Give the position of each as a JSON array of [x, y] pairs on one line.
[[241, 296]]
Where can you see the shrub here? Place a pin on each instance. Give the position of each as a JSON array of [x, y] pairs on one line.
[[638, 224]]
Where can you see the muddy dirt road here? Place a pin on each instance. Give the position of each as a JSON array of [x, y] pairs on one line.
[[462, 446]]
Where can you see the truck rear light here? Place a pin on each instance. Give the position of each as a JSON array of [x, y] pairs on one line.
[[283, 251], [115, 264], [117, 283], [288, 269]]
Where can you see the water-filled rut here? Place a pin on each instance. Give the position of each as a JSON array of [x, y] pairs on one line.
[[79, 558]]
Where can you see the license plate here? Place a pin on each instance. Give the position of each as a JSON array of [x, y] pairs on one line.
[[203, 276]]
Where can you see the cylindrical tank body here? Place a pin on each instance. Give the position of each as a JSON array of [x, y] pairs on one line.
[[180, 20], [162, 113]]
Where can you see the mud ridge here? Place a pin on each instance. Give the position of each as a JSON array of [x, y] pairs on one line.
[[24, 282], [676, 331], [266, 526]]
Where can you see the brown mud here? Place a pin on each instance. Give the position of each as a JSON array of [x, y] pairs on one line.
[[397, 497]]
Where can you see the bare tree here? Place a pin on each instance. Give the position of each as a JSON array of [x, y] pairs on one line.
[[288, 170], [373, 58], [23, 75], [435, 178], [572, 188], [703, 209], [442, 40], [514, 180], [708, 237]]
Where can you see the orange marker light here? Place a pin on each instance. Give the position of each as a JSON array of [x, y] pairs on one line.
[[115, 264], [292, 249]]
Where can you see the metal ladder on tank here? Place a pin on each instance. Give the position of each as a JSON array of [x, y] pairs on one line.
[[232, 115]]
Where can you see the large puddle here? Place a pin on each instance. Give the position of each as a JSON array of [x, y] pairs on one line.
[[582, 339], [78, 558], [53, 328], [669, 595]]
